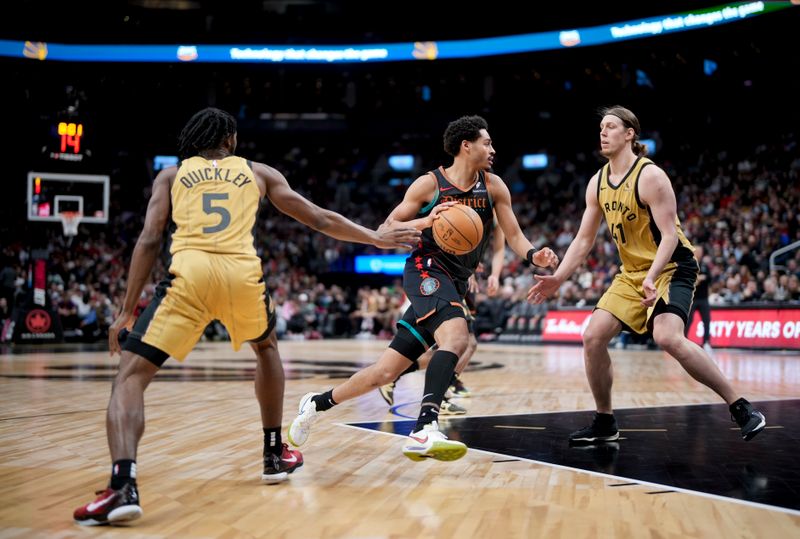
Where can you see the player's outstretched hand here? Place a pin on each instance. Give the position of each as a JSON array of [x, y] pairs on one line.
[[472, 284], [492, 286], [546, 287], [123, 321], [545, 258], [389, 236]]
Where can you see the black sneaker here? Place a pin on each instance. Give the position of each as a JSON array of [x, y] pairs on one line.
[[110, 507], [458, 388], [277, 468], [599, 431], [749, 420]]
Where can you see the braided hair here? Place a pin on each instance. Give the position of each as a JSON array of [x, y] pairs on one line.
[[206, 130]]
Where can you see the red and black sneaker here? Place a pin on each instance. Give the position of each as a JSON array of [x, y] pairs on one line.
[[111, 507], [277, 469]]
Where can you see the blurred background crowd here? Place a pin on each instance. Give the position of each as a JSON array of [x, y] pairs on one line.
[[725, 132]]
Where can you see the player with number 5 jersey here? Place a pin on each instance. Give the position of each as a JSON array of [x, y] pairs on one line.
[[211, 199]]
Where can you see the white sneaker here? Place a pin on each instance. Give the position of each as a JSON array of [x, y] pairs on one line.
[[429, 443], [301, 426], [707, 348]]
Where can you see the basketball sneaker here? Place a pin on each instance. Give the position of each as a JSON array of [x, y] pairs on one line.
[[458, 389], [429, 443], [749, 420], [451, 408], [301, 426], [387, 392], [601, 430], [110, 507], [277, 468]]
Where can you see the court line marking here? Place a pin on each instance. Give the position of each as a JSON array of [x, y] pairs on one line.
[[534, 412], [607, 476]]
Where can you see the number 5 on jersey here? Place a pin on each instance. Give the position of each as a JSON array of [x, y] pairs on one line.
[[210, 208]]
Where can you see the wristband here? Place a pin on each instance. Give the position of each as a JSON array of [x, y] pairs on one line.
[[529, 258]]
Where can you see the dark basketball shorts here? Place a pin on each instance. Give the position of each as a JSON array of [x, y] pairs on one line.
[[435, 298]]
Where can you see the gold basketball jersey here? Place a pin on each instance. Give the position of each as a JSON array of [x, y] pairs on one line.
[[214, 206], [631, 224]]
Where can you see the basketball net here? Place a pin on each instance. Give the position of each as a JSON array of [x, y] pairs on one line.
[[70, 221]]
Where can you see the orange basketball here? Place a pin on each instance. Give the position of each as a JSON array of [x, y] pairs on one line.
[[458, 230]]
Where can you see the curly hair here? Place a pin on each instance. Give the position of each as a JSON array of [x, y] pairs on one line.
[[206, 130], [465, 128]]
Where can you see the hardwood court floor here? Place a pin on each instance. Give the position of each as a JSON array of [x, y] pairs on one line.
[[199, 461]]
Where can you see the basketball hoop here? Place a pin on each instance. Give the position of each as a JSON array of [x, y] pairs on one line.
[[70, 221]]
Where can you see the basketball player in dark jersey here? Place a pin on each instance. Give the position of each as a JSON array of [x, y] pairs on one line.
[[653, 291], [457, 387], [435, 283], [212, 198]]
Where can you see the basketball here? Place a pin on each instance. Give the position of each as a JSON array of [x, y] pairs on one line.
[[458, 230]]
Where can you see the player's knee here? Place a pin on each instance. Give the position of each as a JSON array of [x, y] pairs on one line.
[[455, 343], [595, 340], [668, 341], [472, 344], [384, 376], [135, 371]]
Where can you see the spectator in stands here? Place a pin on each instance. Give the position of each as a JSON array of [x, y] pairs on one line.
[[5, 311], [8, 276], [793, 287], [700, 303]]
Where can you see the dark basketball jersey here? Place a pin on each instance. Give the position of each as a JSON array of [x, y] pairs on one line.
[[477, 197]]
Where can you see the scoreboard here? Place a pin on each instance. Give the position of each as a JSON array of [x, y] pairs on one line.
[[66, 141]]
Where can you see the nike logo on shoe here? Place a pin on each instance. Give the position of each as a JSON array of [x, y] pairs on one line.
[[291, 458], [94, 506], [419, 439]]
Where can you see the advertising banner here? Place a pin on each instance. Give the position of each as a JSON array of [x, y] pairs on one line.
[[737, 328]]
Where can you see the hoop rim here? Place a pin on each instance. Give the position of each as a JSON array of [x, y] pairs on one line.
[[70, 221]]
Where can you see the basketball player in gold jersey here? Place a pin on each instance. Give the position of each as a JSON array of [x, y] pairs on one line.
[[212, 198], [654, 290]]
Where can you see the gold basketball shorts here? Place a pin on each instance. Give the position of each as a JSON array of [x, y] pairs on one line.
[[202, 287], [675, 288]]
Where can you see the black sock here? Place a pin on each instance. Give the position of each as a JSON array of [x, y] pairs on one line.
[[437, 376], [272, 440], [324, 401], [413, 367], [123, 471], [604, 419]]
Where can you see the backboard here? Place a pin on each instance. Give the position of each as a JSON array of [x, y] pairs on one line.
[[50, 194]]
